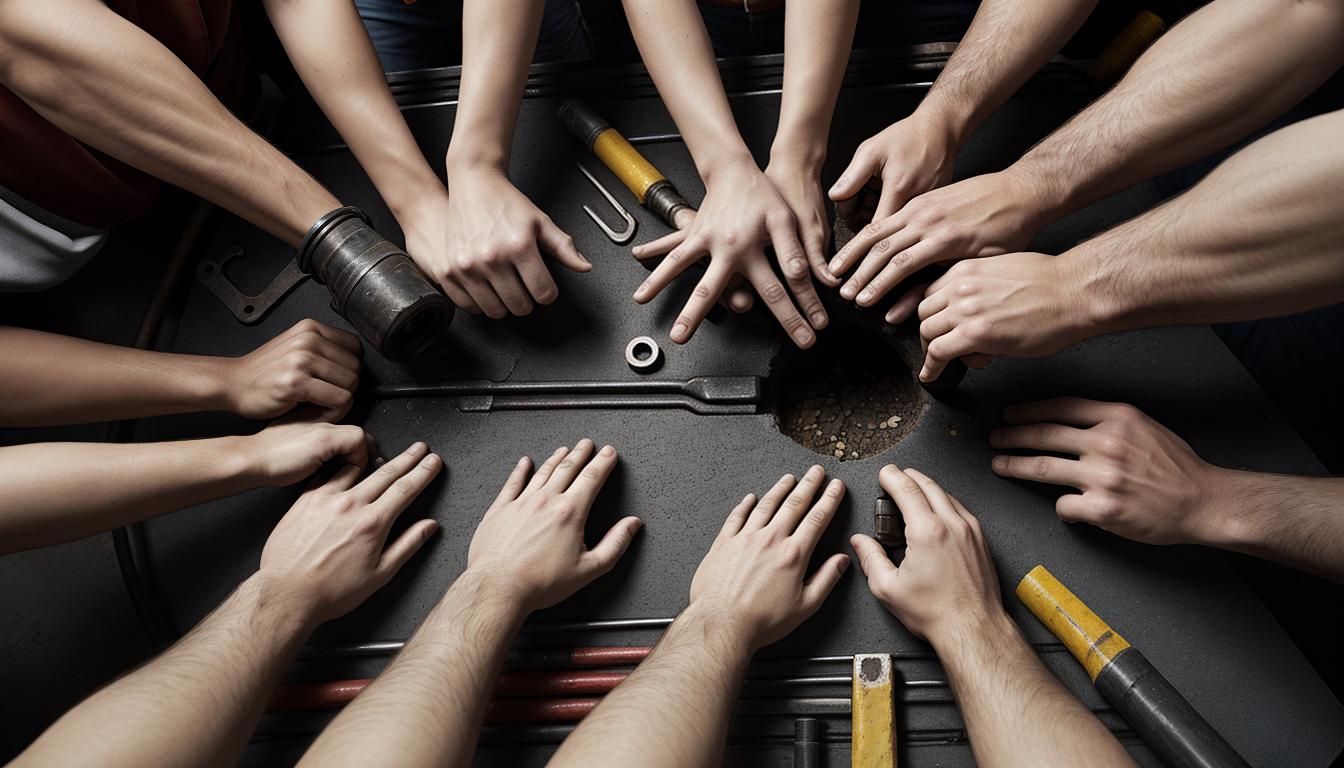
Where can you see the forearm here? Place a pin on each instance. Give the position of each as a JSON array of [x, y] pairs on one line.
[[1226, 70], [196, 704], [426, 708], [332, 54], [498, 39], [1298, 521], [56, 492], [675, 47], [48, 380], [1008, 42], [109, 84], [817, 39], [673, 710], [1259, 237], [1016, 712]]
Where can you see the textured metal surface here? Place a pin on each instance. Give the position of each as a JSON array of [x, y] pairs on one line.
[[681, 472]]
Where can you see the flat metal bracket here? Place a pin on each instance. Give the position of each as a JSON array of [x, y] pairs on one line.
[[248, 309]]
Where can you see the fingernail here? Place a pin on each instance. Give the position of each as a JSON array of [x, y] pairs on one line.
[[818, 318], [1000, 463], [607, 450], [866, 295], [848, 291], [923, 374], [679, 331], [833, 266], [803, 336]]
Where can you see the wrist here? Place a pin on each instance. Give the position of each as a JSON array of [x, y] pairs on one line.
[[798, 154], [1097, 302], [468, 159], [1047, 188], [1215, 521], [967, 629], [717, 632], [276, 602], [497, 588], [943, 119], [210, 383], [726, 163]]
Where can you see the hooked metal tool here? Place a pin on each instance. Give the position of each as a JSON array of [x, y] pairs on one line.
[[619, 238]]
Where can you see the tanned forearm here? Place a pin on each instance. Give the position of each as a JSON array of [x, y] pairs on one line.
[[1008, 42], [1260, 237], [498, 39], [1297, 521], [675, 46], [674, 709], [196, 704], [817, 39], [56, 492], [332, 54], [1226, 70], [1016, 712], [106, 82], [426, 708], [49, 380]]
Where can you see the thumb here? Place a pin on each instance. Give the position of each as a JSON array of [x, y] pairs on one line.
[[395, 556], [860, 169], [350, 444], [603, 557], [561, 247], [873, 559]]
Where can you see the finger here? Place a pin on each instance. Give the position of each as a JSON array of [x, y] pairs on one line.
[[873, 560], [561, 246], [852, 180], [538, 281], [796, 504], [591, 479], [547, 467], [663, 245], [676, 262], [1075, 508], [819, 517], [894, 196], [863, 242], [901, 266], [702, 299], [738, 297], [777, 301], [935, 300], [1042, 469], [937, 325], [345, 339], [1064, 410], [380, 480], [815, 246], [338, 354], [406, 488], [765, 508], [1056, 438], [335, 401], [568, 468], [352, 445], [344, 478], [944, 350], [510, 289], [905, 306], [458, 295], [485, 297], [907, 495], [938, 499], [816, 589], [513, 485], [604, 556], [965, 513], [333, 373], [890, 250], [401, 550], [793, 262], [737, 517]]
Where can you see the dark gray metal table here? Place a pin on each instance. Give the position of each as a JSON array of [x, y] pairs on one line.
[[1185, 607]]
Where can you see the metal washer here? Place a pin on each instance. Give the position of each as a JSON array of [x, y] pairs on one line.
[[652, 358]]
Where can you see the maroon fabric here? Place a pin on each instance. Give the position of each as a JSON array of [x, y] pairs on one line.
[[46, 166]]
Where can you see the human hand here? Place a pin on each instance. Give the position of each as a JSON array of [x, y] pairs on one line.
[[741, 215], [286, 452], [751, 582], [907, 159], [1018, 304], [1138, 479], [947, 580], [799, 183], [328, 551], [530, 541], [490, 240], [309, 363], [980, 216]]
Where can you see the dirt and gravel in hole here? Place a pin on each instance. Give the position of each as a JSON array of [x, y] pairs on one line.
[[849, 397]]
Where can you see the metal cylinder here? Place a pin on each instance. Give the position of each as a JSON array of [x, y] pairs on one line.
[[807, 743], [888, 525], [374, 284]]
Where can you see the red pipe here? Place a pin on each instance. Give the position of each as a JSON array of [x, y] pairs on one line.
[[539, 710], [338, 693], [609, 656]]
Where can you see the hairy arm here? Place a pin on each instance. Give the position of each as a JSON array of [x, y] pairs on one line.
[[1298, 521], [111, 85], [1226, 70]]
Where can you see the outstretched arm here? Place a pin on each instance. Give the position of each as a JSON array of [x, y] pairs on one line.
[[1139, 480], [46, 380], [528, 553], [742, 213], [751, 590], [198, 702], [55, 492], [106, 82], [947, 592], [1220, 74], [1259, 237]]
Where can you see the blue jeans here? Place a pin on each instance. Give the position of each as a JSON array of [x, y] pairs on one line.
[[428, 33]]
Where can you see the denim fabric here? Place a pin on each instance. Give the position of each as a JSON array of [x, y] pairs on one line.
[[428, 33]]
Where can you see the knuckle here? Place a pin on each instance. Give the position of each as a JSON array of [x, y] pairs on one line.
[[1041, 466], [307, 325], [773, 293]]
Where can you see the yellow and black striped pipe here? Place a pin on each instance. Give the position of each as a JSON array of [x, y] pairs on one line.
[[649, 186], [1140, 693]]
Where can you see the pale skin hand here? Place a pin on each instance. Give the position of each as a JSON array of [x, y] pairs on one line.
[[527, 553], [1137, 479], [310, 363], [56, 492], [947, 592], [199, 701], [751, 589]]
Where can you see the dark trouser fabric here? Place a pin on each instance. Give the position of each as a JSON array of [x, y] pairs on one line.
[[882, 23]]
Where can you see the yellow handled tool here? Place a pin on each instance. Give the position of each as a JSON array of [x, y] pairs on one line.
[[873, 712]]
